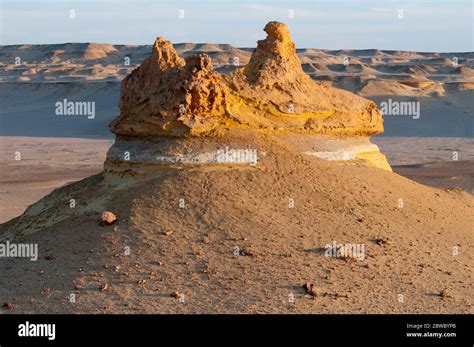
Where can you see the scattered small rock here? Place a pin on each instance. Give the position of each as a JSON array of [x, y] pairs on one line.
[[308, 286], [78, 283], [175, 294], [310, 289], [141, 282], [50, 257], [107, 218], [167, 232], [446, 293], [247, 252], [104, 287], [381, 241], [8, 305]]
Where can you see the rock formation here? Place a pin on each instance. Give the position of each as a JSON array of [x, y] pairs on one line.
[[167, 95], [274, 87], [180, 99]]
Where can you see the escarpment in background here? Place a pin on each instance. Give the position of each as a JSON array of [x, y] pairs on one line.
[[171, 97]]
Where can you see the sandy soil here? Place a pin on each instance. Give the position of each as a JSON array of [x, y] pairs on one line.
[[192, 250], [49, 163], [46, 164]]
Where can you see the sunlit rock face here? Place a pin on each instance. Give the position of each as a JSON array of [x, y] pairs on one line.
[[167, 95], [171, 97], [273, 92]]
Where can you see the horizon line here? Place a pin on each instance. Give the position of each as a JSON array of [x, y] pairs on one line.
[[229, 44]]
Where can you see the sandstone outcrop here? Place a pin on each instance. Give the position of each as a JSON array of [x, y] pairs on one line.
[[174, 98], [272, 91], [167, 95]]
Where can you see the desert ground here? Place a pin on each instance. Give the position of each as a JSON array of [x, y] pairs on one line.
[[160, 257], [45, 164]]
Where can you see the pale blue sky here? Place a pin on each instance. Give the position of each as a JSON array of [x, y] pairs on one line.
[[427, 25]]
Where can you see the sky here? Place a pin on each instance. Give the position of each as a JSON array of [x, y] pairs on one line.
[[417, 25]]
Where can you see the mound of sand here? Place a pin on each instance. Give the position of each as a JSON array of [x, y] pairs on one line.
[[228, 239], [381, 87], [95, 51]]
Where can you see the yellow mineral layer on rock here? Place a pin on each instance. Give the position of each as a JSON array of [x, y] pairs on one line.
[[171, 97]]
